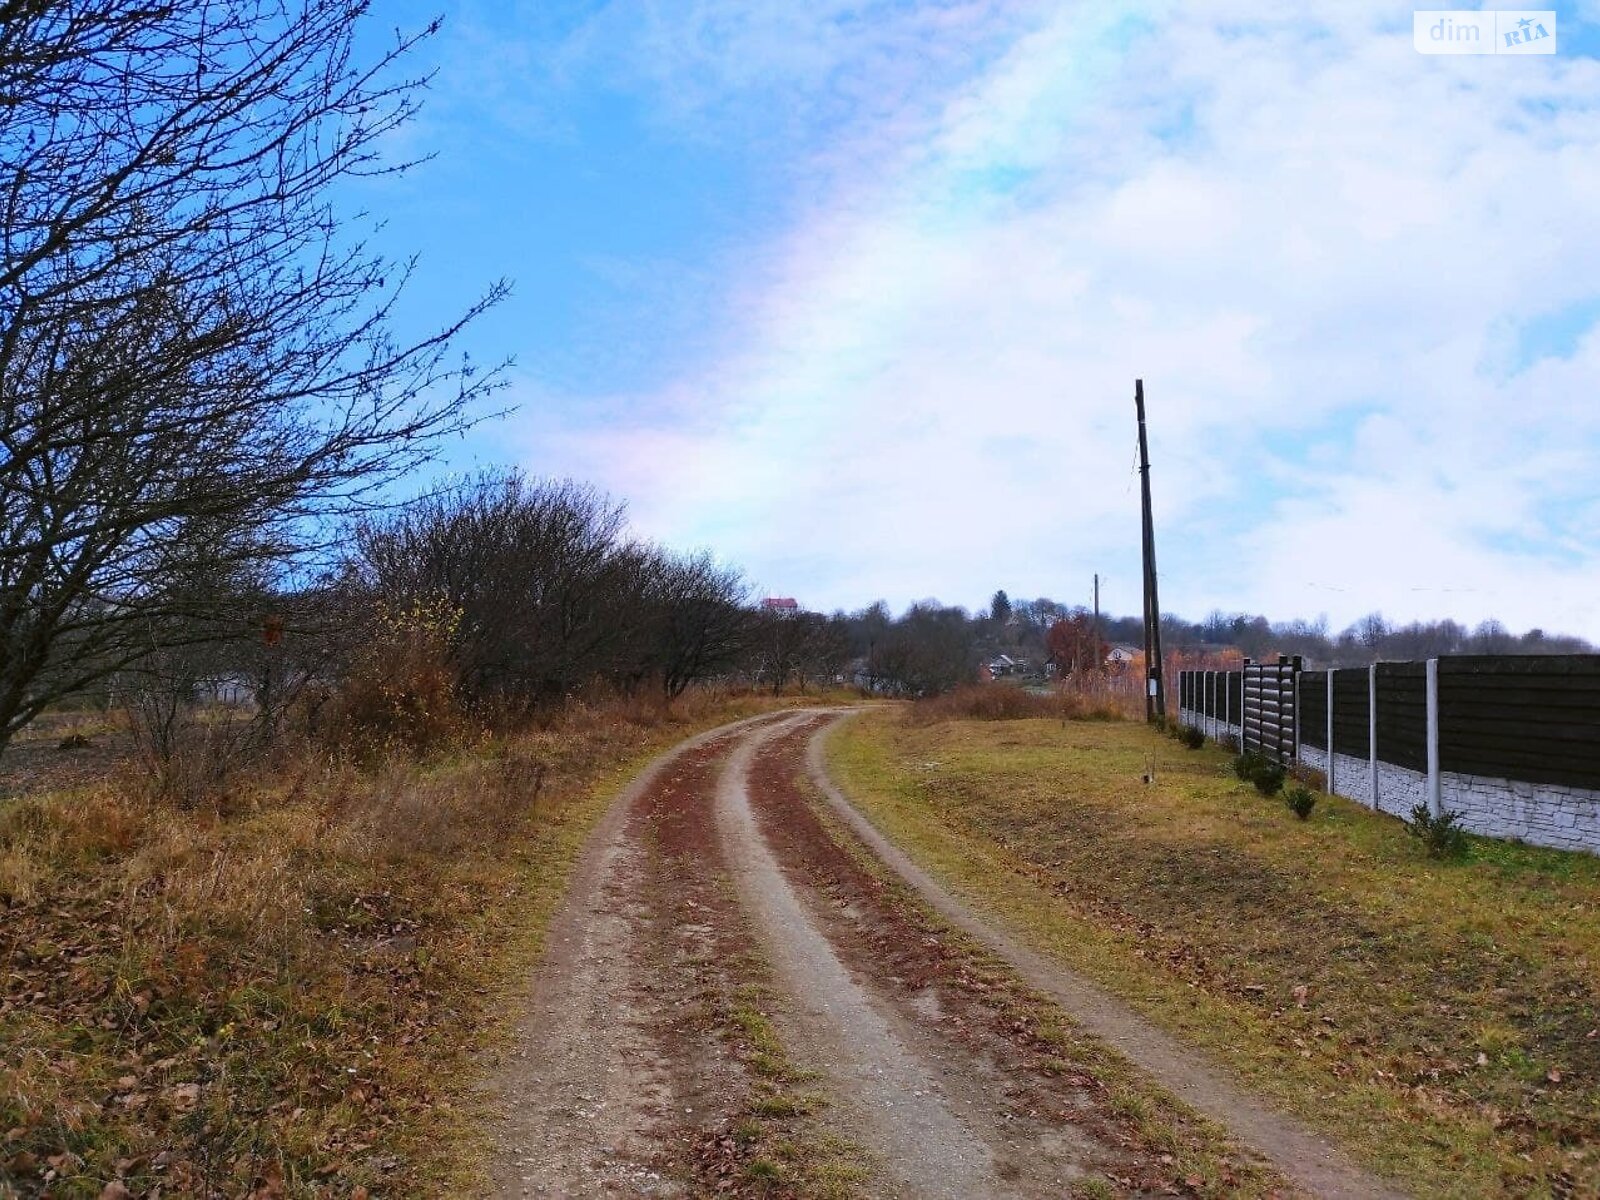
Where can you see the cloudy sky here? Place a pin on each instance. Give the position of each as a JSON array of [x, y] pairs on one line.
[[855, 293]]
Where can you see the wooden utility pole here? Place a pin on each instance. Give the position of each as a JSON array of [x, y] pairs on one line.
[[1099, 655], [1155, 698]]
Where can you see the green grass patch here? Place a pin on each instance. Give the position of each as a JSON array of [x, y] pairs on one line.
[[787, 1150]]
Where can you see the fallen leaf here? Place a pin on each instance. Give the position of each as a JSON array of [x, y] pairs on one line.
[[185, 1096], [271, 1183]]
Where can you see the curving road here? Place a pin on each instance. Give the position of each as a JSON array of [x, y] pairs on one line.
[[734, 864]]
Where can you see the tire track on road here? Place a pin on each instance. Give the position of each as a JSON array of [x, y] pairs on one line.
[[893, 1101], [597, 1096]]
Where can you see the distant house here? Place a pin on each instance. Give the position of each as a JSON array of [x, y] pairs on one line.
[[1002, 665], [1121, 656], [782, 604]]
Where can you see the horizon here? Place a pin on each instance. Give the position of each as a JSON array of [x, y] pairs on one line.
[[1281, 626]]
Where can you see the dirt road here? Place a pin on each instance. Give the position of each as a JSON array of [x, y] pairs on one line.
[[746, 995]]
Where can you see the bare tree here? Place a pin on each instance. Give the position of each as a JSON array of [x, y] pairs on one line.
[[534, 568], [929, 649], [195, 358], [552, 594], [798, 647], [700, 625]]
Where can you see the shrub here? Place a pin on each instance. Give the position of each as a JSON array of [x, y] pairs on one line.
[[1269, 778], [1301, 800], [1254, 767], [1246, 765], [401, 692], [1440, 836], [1192, 737]]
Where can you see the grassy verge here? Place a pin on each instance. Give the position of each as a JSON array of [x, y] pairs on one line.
[[779, 1148], [1442, 1019], [285, 993]]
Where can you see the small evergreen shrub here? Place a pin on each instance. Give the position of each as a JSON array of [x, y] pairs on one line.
[[1440, 836], [1192, 737], [1301, 800], [1256, 768], [1269, 778]]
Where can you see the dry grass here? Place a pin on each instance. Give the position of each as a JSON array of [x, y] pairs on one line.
[[283, 991], [1003, 702], [1441, 1019]]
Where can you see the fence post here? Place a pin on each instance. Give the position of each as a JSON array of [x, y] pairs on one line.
[[1435, 784], [1297, 664], [1372, 732], [1296, 716], [1244, 706], [1240, 711], [1331, 788]]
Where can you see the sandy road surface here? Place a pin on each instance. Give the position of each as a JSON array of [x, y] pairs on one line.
[[722, 869]]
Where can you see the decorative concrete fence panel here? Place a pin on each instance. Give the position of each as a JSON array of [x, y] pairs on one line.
[[1511, 743]]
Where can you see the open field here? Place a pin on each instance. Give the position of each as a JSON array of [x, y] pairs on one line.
[[288, 992], [1441, 1019]]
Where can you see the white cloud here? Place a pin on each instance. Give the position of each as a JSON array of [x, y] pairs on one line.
[[1310, 241]]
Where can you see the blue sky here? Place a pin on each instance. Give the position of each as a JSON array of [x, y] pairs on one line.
[[854, 293]]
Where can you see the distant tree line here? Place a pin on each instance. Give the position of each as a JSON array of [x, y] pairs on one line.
[[1367, 640], [1024, 627]]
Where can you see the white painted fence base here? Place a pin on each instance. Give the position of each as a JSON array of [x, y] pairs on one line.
[[1541, 814], [1213, 727]]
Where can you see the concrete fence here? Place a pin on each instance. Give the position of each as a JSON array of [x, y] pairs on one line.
[[1510, 743]]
